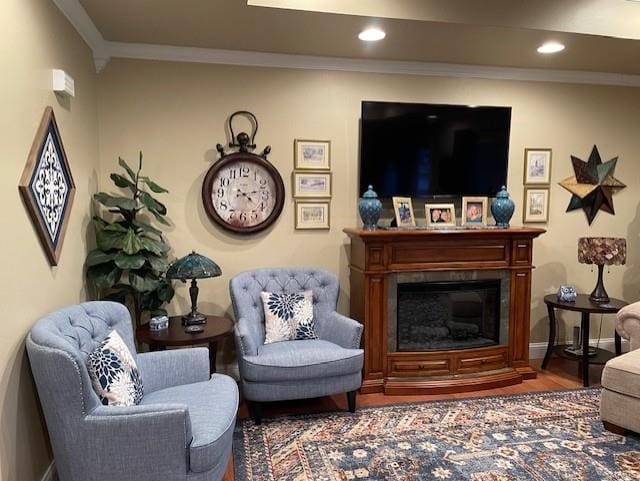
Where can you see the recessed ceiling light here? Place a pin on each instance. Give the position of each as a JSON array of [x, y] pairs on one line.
[[371, 35], [551, 47]]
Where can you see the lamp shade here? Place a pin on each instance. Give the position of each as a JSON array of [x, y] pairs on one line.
[[602, 251], [193, 266]]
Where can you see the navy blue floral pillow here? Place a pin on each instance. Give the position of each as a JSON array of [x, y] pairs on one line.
[[288, 316], [114, 374]]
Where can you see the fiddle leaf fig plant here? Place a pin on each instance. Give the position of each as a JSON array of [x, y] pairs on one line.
[[130, 261]]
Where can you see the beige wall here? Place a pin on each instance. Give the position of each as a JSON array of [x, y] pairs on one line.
[[35, 38], [176, 113]]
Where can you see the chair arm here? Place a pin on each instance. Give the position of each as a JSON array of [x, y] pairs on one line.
[[248, 336], [137, 442], [628, 324], [341, 330], [163, 369]]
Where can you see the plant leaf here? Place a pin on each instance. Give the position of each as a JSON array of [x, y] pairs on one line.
[[142, 283], [115, 227], [158, 264], [160, 218], [152, 204], [97, 257], [124, 261], [104, 275], [123, 182], [153, 246], [154, 187], [147, 228], [126, 167], [131, 243], [108, 239], [100, 222], [109, 200]]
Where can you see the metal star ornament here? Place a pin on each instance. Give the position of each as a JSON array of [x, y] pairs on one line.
[[593, 185]]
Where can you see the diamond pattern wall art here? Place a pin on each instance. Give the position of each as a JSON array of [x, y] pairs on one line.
[[47, 186]]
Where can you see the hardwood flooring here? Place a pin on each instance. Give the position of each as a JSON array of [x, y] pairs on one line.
[[561, 374]]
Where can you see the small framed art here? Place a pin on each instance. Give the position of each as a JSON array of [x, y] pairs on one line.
[[537, 166], [403, 209], [312, 215], [474, 211], [312, 184], [440, 215], [536, 204], [312, 154]]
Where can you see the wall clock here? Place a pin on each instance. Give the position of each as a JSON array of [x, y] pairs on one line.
[[242, 191]]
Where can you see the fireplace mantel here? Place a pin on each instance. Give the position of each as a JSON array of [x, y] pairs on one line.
[[378, 254]]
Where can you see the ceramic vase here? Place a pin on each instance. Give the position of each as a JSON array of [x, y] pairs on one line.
[[370, 209], [502, 208]]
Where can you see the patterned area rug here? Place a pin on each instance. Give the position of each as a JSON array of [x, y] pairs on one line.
[[540, 436]]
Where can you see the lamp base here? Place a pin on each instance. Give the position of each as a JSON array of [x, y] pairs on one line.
[[599, 294], [194, 318]]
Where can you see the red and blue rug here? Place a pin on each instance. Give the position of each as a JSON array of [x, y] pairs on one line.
[[539, 436]]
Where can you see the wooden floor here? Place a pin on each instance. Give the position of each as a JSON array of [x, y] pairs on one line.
[[561, 374]]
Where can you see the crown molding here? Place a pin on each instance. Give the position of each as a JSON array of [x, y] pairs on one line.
[[77, 15], [104, 50], [141, 51]]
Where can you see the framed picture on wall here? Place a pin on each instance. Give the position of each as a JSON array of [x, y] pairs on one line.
[[440, 215], [311, 215], [474, 211], [536, 204], [403, 209], [312, 184], [312, 154], [537, 166]]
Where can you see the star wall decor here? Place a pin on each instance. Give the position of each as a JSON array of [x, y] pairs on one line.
[[593, 185]]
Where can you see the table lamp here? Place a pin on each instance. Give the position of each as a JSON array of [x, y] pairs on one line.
[[601, 251], [193, 266]]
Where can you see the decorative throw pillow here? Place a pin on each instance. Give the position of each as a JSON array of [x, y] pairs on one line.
[[114, 373], [288, 316]]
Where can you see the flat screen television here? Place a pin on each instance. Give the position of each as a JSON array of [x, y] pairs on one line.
[[429, 150]]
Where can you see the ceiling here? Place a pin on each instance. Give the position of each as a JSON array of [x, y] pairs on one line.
[[600, 35]]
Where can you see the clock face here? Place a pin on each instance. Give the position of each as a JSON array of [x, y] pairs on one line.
[[243, 194]]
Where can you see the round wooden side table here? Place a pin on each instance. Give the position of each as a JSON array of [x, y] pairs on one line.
[[585, 307], [215, 329]]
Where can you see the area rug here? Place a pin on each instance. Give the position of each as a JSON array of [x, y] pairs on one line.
[[539, 436]]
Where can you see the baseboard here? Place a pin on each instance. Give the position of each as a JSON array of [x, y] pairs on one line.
[[537, 350], [50, 474]]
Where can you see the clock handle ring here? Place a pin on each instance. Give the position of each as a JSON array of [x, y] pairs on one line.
[[242, 142]]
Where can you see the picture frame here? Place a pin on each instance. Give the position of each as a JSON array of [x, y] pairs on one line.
[[312, 185], [403, 209], [312, 154], [440, 215], [537, 166], [313, 215], [474, 211], [47, 186], [536, 205]]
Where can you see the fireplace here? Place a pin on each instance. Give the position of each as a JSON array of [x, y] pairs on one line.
[[446, 315]]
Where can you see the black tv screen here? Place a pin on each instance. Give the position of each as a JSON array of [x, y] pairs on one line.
[[425, 150]]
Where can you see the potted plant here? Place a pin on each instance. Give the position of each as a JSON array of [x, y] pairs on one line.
[[130, 261]]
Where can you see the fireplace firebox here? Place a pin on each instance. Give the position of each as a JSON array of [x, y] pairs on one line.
[[439, 316]]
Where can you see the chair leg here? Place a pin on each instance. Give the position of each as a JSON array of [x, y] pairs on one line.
[[351, 401], [255, 411]]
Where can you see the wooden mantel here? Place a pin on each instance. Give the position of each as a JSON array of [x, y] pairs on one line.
[[376, 254]]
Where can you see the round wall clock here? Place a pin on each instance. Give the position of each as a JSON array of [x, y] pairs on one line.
[[242, 191]]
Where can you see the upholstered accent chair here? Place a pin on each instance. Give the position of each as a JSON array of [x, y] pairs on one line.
[[182, 429], [620, 399], [285, 370]]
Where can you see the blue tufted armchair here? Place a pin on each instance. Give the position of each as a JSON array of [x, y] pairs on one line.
[[294, 369], [181, 431]]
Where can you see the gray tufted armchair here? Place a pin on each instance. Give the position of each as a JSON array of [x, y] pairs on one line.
[[181, 431], [295, 369]]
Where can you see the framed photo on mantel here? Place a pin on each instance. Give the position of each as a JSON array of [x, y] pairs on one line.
[[403, 209]]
